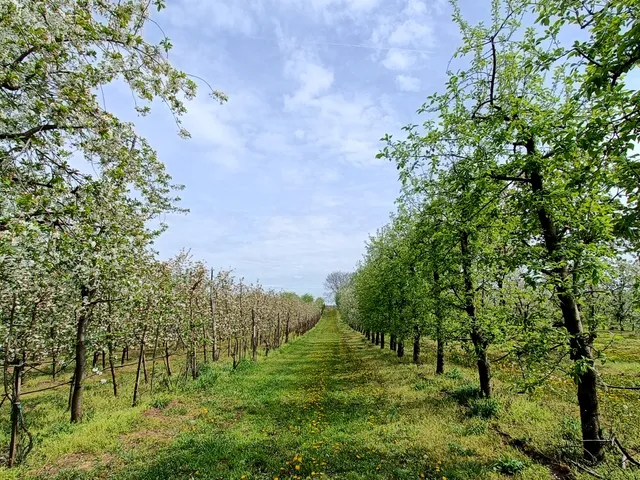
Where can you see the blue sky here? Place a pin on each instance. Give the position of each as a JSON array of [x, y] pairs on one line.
[[282, 182]]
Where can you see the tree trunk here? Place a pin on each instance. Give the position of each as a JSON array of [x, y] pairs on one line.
[[81, 356], [480, 343], [416, 345], [581, 351], [381, 340], [144, 367], [96, 358], [16, 408], [580, 343], [166, 358], [111, 362], [439, 354], [54, 364], [140, 360], [153, 357], [401, 349], [392, 342]]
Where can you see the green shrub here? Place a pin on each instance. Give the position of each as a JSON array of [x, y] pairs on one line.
[[465, 393], [454, 374], [509, 466], [484, 407]]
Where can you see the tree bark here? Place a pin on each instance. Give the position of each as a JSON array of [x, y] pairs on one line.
[[166, 358], [392, 342], [439, 354], [286, 331], [16, 407], [140, 360], [580, 343], [381, 340], [401, 349], [81, 355], [416, 345], [111, 361], [480, 343]]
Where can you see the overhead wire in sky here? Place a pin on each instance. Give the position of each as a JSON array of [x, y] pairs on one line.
[[351, 45]]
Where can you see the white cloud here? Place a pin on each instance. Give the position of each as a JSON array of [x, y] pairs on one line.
[[411, 32], [407, 83], [312, 78], [232, 16], [399, 60]]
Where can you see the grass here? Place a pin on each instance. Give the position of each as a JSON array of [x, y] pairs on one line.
[[328, 405]]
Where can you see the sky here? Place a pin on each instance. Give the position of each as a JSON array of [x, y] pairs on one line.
[[282, 181]]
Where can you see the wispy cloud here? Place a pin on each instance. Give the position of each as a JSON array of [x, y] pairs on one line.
[[282, 181], [407, 83]]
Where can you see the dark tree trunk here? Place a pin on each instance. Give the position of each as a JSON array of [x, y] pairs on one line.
[[416, 345], [166, 358], [401, 349], [54, 364], [111, 361], [580, 343], [439, 354], [392, 342], [16, 407], [480, 343], [81, 356], [377, 338], [382, 340], [140, 360], [144, 367]]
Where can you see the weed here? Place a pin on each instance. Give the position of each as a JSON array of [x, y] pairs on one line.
[[484, 407], [509, 466], [465, 393], [161, 402], [454, 374]]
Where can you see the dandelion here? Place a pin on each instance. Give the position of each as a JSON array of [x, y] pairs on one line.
[[297, 467]]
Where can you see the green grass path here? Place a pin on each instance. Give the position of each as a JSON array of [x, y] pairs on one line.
[[329, 405]]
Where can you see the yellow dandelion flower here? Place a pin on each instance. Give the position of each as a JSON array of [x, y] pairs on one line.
[[297, 467]]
